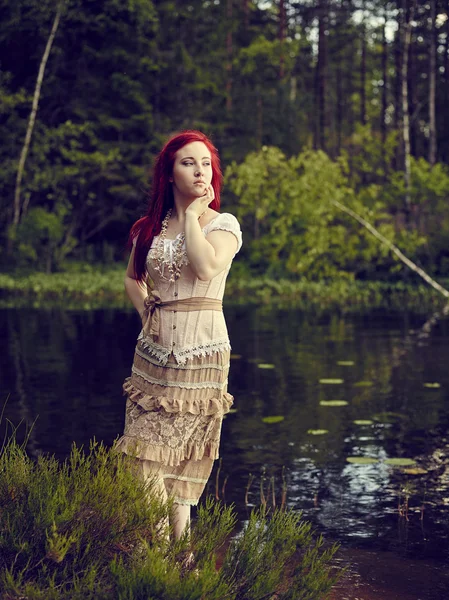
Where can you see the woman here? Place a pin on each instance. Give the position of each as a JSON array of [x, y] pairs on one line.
[[177, 392]]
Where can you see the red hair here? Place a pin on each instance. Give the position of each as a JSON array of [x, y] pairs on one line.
[[161, 198]]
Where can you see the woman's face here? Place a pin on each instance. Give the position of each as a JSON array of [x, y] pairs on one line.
[[192, 170]]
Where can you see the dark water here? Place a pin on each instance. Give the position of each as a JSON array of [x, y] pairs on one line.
[[64, 370]]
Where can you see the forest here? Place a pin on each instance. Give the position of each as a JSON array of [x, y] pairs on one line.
[[311, 104]]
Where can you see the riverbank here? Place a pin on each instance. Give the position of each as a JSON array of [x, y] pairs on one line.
[[89, 528], [99, 287]]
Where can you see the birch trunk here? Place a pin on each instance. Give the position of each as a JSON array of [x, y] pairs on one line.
[[432, 86], [31, 121], [229, 58], [407, 36]]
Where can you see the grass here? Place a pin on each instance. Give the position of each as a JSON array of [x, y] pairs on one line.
[[100, 286], [87, 528]]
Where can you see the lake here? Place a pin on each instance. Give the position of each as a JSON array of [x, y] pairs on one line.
[[311, 391]]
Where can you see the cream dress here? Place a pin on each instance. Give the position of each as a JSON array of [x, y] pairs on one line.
[[177, 392]]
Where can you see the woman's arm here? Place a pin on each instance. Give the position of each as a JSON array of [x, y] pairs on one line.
[[135, 290], [207, 257]]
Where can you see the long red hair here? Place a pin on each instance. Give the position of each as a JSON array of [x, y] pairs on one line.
[[160, 199]]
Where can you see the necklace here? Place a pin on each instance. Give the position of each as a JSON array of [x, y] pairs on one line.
[[177, 259]]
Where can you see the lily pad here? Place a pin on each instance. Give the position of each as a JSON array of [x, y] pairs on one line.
[[400, 462], [317, 431], [336, 381], [363, 422], [363, 384], [236, 356], [415, 471], [273, 419], [265, 366], [345, 363], [388, 417], [432, 385], [333, 403], [361, 460]]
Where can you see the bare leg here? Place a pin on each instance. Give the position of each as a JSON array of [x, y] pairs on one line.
[[181, 520], [151, 471]]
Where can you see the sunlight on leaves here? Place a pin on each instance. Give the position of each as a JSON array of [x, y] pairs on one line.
[[363, 384], [363, 422], [236, 356], [337, 381], [345, 363], [432, 385], [265, 366]]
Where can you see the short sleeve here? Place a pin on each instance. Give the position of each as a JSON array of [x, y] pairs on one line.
[[226, 222]]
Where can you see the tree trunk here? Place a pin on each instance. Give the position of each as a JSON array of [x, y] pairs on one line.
[[31, 122], [282, 27], [432, 86], [406, 37], [383, 121], [363, 71], [229, 58], [321, 77]]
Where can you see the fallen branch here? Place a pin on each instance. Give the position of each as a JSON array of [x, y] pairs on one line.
[[393, 248]]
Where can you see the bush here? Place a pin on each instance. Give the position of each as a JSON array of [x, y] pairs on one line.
[[88, 529]]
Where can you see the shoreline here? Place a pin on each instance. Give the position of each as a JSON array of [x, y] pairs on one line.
[[94, 288]]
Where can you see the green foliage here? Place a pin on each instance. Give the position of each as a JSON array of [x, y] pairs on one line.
[[90, 528], [42, 239], [286, 206]]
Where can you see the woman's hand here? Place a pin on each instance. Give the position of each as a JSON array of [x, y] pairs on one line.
[[200, 204]]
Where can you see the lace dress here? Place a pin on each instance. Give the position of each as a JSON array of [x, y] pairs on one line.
[[177, 392]]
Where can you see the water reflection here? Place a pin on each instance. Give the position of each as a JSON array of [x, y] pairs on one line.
[[64, 370]]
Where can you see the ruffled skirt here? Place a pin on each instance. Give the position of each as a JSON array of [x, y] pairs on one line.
[[173, 419]]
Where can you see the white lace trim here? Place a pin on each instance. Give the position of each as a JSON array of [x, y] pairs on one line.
[[159, 352], [181, 356], [184, 367], [203, 385], [208, 349]]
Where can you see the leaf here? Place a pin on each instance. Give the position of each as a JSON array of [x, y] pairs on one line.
[[415, 471], [273, 419], [345, 363], [388, 417], [361, 460], [363, 422], [400, 462], [336, 381], [265, 366], [333, 403], [317, 431], [433, 385], [363, 384]]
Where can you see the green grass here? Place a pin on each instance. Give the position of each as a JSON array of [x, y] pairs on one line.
[[100, 286], [89, 529]]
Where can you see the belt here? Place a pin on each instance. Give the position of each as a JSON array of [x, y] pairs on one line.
[[153, 306]]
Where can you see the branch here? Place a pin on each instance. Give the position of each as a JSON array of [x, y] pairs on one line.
[[393, 248]]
